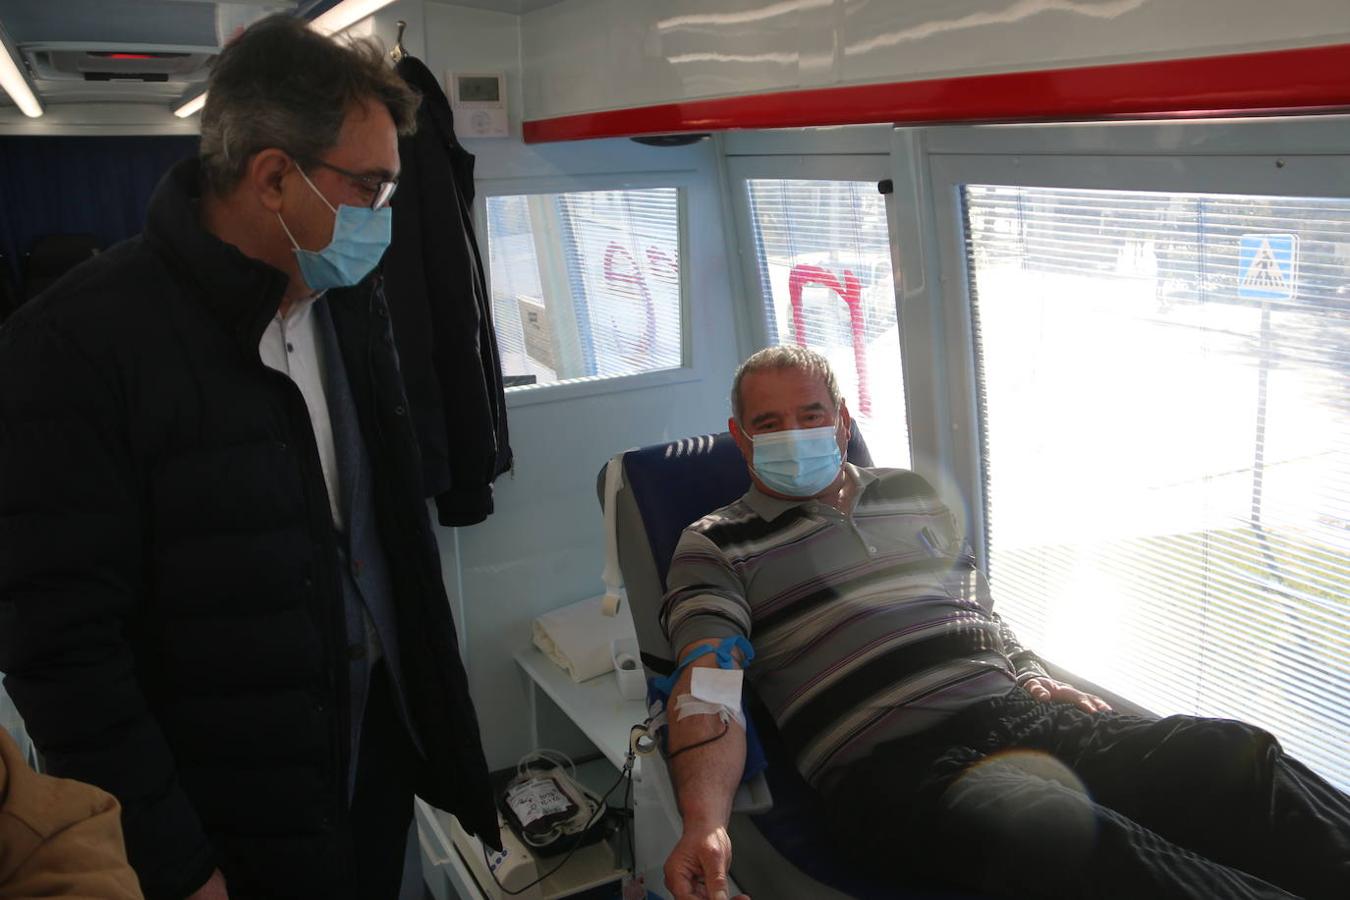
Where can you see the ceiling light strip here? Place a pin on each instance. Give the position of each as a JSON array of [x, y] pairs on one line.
[[346, 14], [14, 82], [192, 107], [342, 16]]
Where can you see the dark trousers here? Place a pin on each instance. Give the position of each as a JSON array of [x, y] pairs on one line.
[[1024, 799], [382, 805]]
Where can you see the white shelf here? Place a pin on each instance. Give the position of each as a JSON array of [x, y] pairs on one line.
[[590, 867], [453, 859], [594, 705], [598, 776]]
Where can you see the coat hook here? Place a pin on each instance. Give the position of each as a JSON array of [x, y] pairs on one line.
[[398, 52]]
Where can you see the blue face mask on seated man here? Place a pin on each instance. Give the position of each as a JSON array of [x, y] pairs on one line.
[[800, 462], [360, 237]]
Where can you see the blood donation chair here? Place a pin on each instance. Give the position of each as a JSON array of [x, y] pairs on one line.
[[778, 831]]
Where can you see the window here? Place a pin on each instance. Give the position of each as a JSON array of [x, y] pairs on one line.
[[1167, 446], [825, 266], [585, 284]]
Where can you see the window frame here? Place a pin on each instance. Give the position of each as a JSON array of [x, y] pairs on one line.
[[682, 181]]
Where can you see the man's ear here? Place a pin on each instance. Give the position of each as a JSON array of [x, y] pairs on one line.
[[846, 428], [263, 177], [743, 442]]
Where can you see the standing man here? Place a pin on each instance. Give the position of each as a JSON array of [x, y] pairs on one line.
[[220, 595]]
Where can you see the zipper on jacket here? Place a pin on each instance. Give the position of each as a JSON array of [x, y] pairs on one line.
[[373, 412], [370, 336], [381, 439], [405, 531], [337, 625]]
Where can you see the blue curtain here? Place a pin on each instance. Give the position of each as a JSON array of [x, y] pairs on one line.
[[79, 185]]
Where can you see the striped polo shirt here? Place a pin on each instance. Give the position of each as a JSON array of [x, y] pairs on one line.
[[866, 627]]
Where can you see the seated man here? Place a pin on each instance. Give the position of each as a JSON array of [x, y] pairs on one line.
[[943, 751]]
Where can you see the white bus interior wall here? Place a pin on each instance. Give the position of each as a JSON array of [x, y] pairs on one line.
[[543, 547]]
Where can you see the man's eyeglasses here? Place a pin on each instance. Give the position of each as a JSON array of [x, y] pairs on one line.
[[381, 191]]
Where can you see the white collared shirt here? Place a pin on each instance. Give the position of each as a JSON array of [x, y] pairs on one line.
[[291, 346]]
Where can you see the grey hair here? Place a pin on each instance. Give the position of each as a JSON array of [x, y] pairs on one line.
[[785, 356], [281, 85]]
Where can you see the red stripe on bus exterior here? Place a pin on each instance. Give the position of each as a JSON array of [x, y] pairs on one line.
[[1311, 79]]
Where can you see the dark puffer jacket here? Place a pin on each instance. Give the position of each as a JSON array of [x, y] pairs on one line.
[[171, 621]]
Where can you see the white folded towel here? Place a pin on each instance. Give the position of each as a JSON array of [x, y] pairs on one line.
[[578, 637]]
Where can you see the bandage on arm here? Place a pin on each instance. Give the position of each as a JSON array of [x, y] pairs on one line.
[[705, 776], [713, 692]]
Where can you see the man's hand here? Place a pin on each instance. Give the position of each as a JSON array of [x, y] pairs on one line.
[[214, 889], [697, 867], [1048, 690]]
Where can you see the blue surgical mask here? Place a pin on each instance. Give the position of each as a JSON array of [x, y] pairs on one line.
[[360, 237], [801, 462]]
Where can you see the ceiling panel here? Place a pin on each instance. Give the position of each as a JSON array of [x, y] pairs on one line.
[[45, 31], [193, 23], [508, 6]]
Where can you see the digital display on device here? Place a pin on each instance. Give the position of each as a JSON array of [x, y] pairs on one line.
[[479, 89]]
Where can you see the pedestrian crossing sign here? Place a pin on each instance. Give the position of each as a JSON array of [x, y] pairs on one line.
[[1267, 264]]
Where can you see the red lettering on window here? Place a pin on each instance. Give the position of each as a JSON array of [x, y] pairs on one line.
[[849, 290], [623, 273]]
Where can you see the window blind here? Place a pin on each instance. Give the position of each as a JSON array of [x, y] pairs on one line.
[[513, 265], [586, 284], [1166, 443], [823, 249], [623, 255]]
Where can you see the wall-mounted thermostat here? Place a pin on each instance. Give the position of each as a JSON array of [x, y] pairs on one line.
[[479, 102]]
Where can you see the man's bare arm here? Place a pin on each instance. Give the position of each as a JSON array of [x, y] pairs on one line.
[[708, 757]]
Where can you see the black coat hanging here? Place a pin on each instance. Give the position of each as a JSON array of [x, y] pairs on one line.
[[442, 313]]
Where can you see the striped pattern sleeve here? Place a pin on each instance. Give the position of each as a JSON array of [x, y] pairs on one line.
[[705, 599], [1026, 663]]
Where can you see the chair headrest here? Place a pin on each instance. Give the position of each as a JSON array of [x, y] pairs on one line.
[[676, 484]]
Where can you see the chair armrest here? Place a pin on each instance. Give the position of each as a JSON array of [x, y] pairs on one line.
[[1118, 703], [753, 796]]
